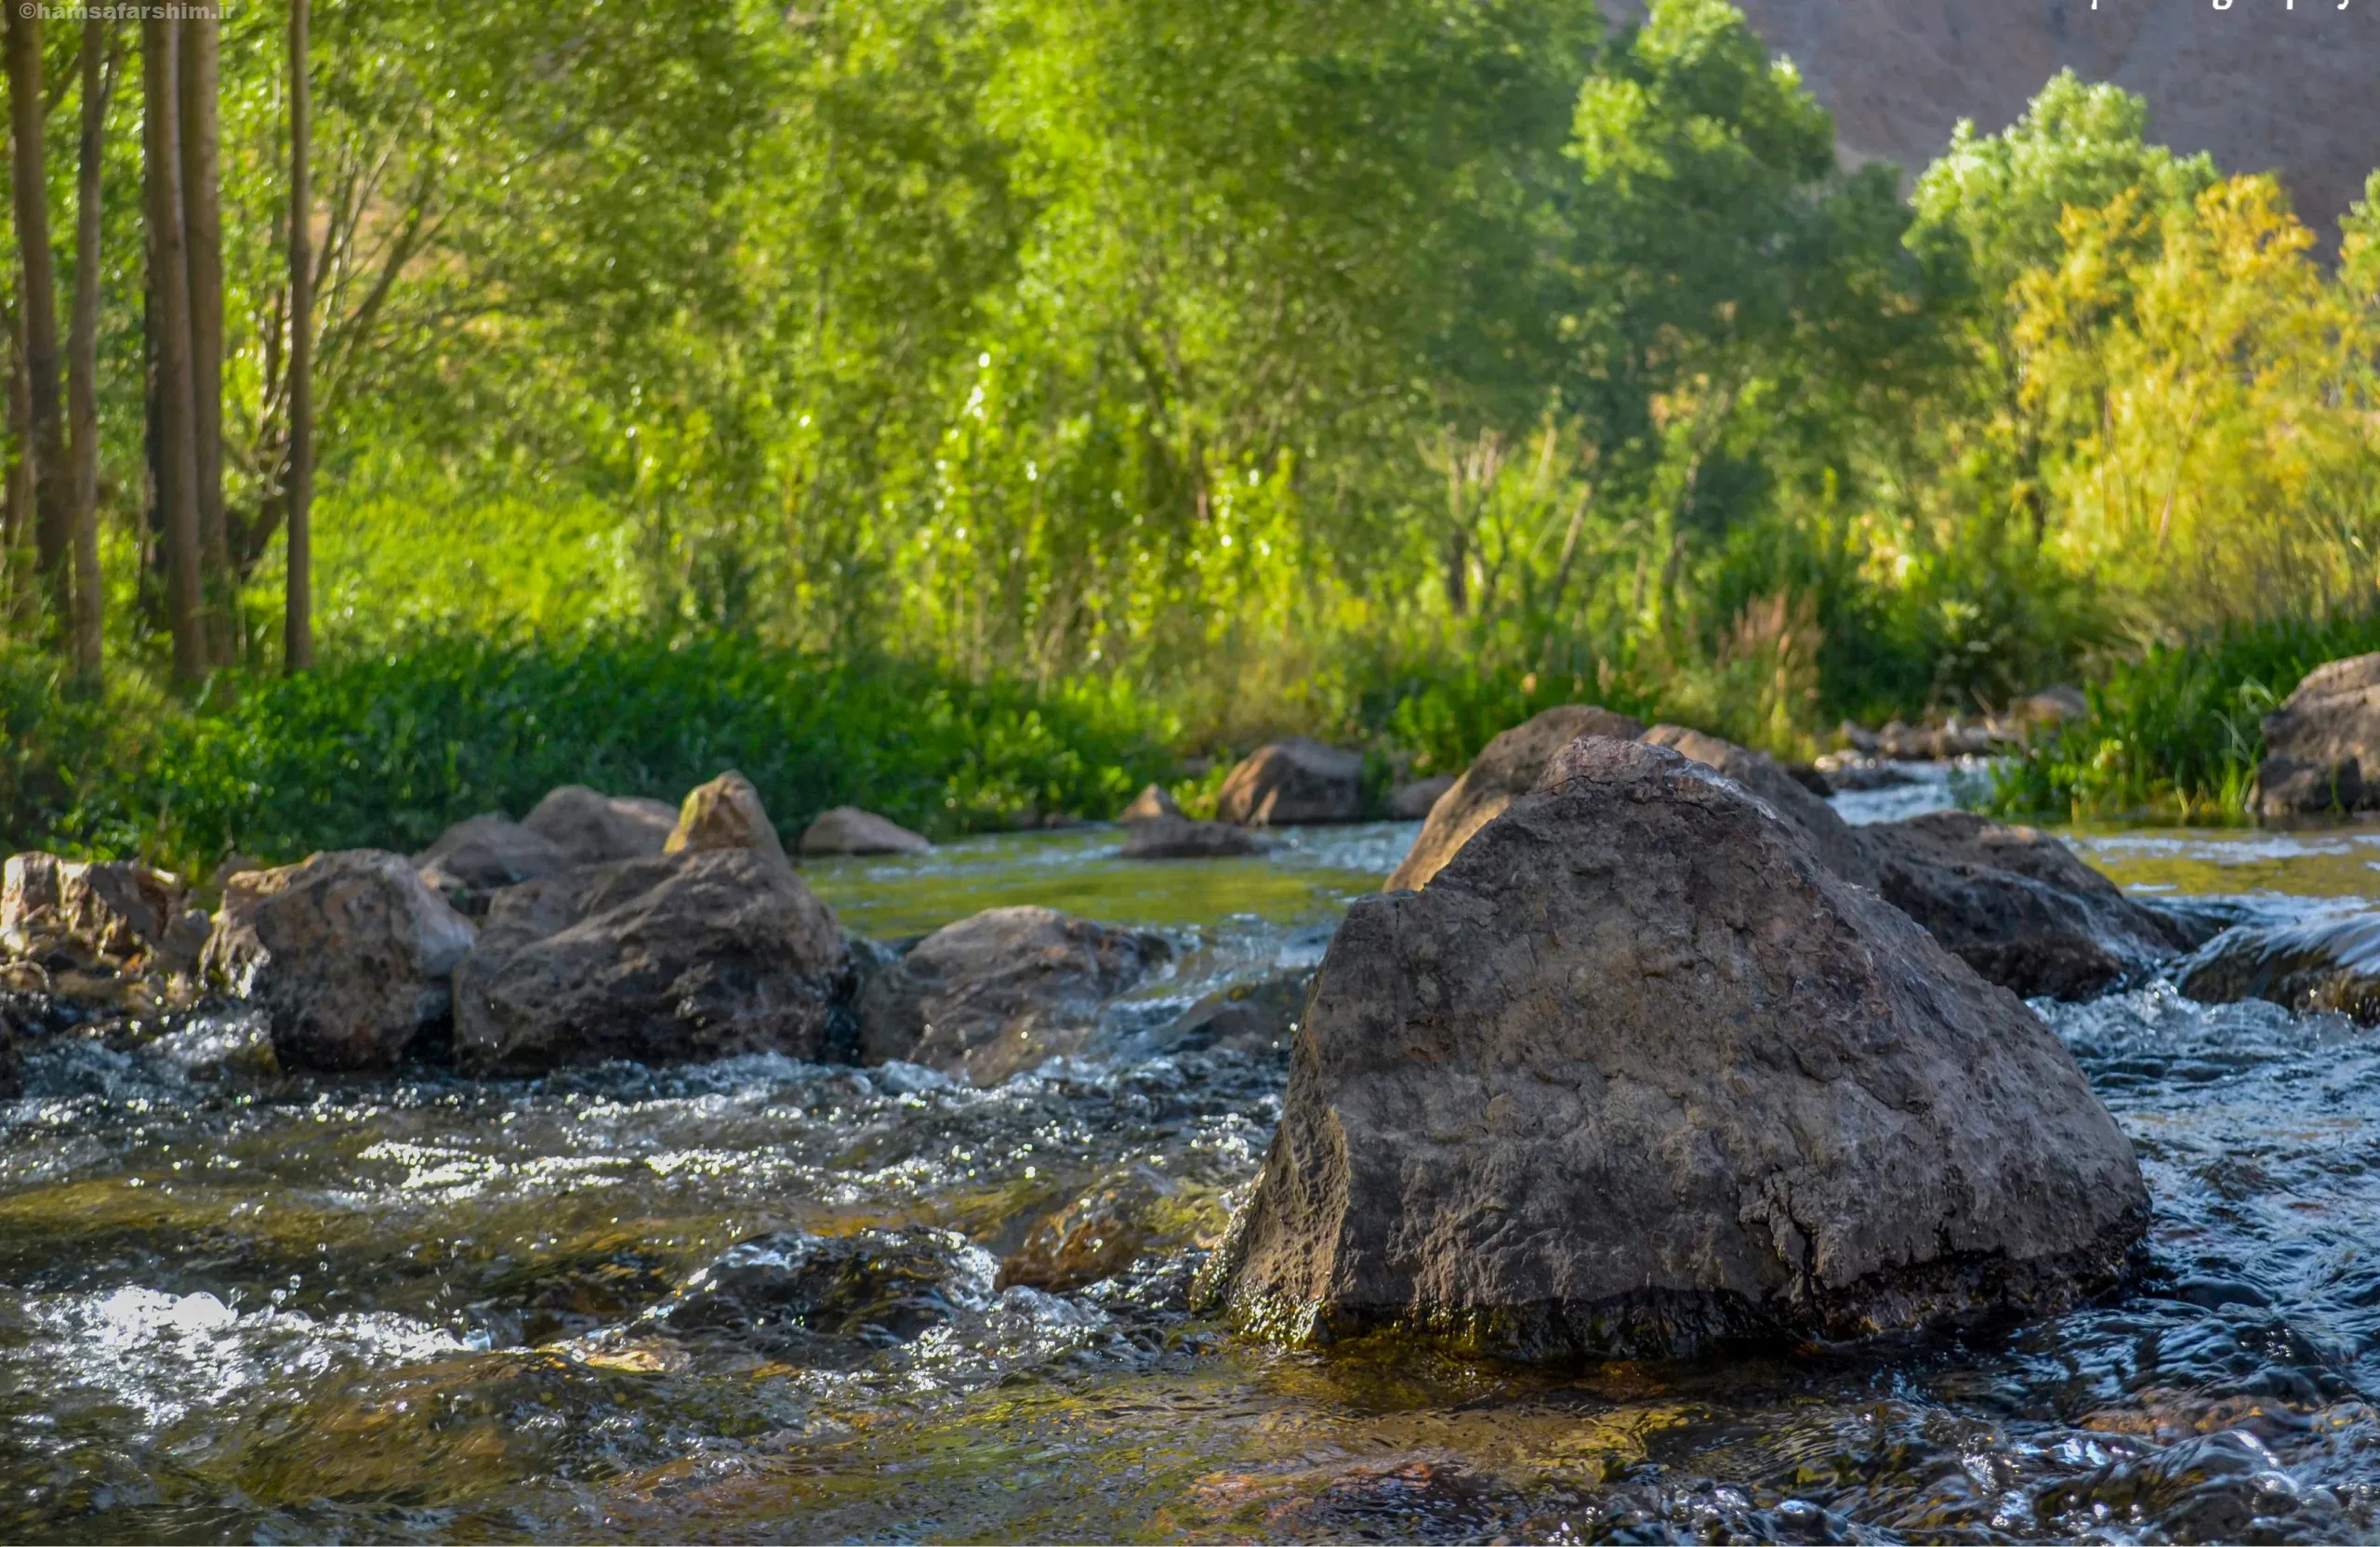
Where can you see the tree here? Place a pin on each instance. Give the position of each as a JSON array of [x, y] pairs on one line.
[[298, 622], [101, 59], [38, 317], [195, 77], [173, 435]]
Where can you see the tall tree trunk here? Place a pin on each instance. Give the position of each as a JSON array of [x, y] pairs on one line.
[[203, 244], [16, 514], [297, 625], [177, 470], [100, 56], [37, 301]]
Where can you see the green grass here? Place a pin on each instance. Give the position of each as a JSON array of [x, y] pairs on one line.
[[386, 751], [2177, 734]]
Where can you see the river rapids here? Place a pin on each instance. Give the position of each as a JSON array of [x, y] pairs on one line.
[[237, 1305]]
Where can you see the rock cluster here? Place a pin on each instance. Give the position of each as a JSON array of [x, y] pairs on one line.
[[1639, 1071]]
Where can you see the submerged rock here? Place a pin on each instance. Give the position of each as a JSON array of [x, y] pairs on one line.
[[1152, 801], [848, 830], [1179, 838], [348, 954], [1506, 769], [1411, 802], [2018, 905], [2322, 744], [1293, 781], [86, 913], [1637, 1071], [1260, 1017], [802, 1294], [593, 828], [995, 995], [1836, 845], [1098, 1236], [476, 856], [694, 955], [2330, 963]]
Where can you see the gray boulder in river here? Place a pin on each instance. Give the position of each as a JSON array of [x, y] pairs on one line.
[[711, 948], [1293, 781], [1505, 769], [1180, 838], [2322, 744], [1638, 1072], [594, 828], [348, 954], [2020, 907], [995, 995]]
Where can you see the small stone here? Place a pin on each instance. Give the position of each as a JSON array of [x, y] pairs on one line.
[[848, 830], [724, 814], [1411, 802], [1293, 781], [1152, 801], [1179, 838], [593, 828]]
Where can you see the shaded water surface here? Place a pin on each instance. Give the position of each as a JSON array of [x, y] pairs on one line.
[[242, 1306]]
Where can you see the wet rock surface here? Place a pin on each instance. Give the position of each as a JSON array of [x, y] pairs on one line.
[[1639, 1072], [594, 828], [827, 1299], [1506, 769], [696, 954], [2327, 963], [1180, 838], [348, 954], [993, 995], [2018, 907], [83, 913], [1284, 782], [848, 830], [1259, 1017]]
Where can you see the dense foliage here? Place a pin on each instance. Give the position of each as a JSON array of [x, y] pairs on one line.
[[1376, 369]]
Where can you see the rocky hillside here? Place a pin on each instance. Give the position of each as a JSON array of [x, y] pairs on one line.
[[2261, 85]]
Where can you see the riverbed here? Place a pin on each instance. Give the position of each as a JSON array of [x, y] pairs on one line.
[[239, 1305]]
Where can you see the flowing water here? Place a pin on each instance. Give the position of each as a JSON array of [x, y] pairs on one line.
[[239, 1305]]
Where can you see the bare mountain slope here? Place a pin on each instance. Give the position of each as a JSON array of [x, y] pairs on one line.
[[2263, 87]]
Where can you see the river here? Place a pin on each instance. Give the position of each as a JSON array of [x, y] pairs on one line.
[[239, 1305]]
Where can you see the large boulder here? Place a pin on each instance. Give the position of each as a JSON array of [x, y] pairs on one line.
[[1837, 846], [2331, 962], [1638, 1071], [1284, 782], [1180, 838], [350, 954], [594, 828], [996, 994], [1506, 769], [2322, 744], [2018, 905], [127, 916], [480, 854], [699, 954], [848, 830]]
